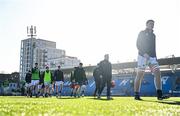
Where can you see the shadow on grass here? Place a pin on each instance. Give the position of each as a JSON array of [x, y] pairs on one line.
[[169, 102], [50, 97], [102, 99], [68, 98]]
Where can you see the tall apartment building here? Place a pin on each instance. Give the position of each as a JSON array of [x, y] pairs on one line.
[[43, 52]]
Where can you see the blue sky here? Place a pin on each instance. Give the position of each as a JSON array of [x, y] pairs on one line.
[[88, 29]]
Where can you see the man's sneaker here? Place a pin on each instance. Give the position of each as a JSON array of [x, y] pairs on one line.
[[82, 95], [49, 95], [37, 96], [75, 94], [94, 94], [30, 94], [56, 95], [71, 94], [109, 98], [59, 94], [98, 97], [163, 97], [137, 98], [46, 95]]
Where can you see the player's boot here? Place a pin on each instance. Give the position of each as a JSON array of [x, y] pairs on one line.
[[160, 96], [60, 94], [56, 95], [99, 96], [109, 98], [137, 96]]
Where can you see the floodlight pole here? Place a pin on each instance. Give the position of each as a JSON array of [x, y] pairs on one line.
[[31, 32]]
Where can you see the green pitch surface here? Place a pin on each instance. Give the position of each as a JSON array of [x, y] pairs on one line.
[[88, 106]]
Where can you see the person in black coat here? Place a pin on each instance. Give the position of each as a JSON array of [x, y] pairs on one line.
[[106, 68], [59, 81], [98, 79], [28, 83], [80, 78], [80, 75]]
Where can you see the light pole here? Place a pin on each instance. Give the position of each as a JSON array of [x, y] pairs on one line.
[[31, 31]]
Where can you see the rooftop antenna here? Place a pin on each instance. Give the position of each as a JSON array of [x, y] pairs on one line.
[[31, 31]]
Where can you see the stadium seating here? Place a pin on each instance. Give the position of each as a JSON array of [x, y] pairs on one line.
[[124, 85]]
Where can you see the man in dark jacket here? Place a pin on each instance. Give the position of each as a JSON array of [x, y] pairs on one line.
[[28, 84], [80, 78], [98, 79], [59, 81], [106, 68], [146, 45]]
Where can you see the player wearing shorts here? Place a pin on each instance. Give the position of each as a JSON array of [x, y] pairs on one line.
[[48, 81], [79, 77], [83, 88], [35, 80], [146, 45], [59, 81]]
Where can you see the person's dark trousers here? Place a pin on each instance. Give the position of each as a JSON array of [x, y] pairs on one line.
[[108, 87], [105, 81], [95, 91], [98, 86], [102, 85]]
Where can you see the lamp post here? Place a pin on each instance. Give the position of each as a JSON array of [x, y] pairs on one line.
[[31, 31]]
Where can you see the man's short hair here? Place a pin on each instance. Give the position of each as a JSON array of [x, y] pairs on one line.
[[81, 63], [47, 66], [106, 55], [36, 63], [149, 21]]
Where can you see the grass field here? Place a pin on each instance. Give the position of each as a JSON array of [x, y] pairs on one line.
[[88, 106]]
